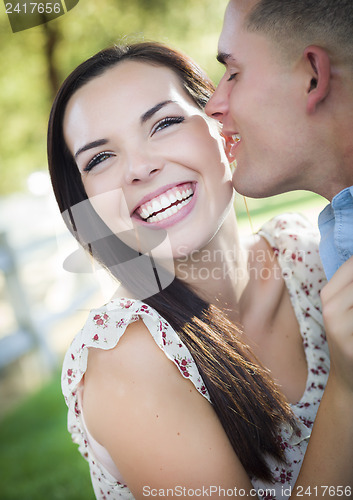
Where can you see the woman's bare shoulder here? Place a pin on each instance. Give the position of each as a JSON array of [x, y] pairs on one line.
[[135, 364], [156, 426]]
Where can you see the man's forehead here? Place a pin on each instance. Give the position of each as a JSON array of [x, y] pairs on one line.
[[237, 11], [233, 23]]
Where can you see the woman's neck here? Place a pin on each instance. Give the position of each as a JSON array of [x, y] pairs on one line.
[[218, 271]]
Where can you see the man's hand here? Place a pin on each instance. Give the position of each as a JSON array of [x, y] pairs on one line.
[[337, 308]]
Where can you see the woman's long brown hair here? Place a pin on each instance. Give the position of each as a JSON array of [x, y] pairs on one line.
[[245, 398]]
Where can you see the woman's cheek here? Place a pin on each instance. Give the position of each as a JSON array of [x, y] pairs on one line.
[[112, 208]]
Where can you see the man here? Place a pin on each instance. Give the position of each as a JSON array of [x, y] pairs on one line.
[[286, 104]]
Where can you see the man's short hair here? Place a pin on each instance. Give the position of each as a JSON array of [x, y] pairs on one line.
[[295, 24]]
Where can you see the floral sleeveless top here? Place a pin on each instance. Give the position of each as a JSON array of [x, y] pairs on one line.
[[295, 243]]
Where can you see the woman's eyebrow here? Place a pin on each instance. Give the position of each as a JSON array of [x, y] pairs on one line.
[[91, 145], [146, 116]]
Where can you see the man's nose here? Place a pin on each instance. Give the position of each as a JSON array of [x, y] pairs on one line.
[[218, 105]]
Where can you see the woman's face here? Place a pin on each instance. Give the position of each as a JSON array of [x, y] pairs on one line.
[[148, 156]]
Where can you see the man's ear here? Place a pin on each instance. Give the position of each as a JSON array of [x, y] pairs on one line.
[[320, 69]]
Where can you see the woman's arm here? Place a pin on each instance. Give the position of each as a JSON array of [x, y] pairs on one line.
[[159, 430]]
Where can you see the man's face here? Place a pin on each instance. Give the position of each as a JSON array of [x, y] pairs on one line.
[[261, 101]]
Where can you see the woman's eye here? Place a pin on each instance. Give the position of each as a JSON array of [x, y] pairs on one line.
[[99, 158], [232, 77], [167, 122]]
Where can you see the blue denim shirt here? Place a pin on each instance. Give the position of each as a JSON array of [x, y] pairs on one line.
[[336, 228]]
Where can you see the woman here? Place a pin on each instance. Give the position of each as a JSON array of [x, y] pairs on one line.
[[168, 392]]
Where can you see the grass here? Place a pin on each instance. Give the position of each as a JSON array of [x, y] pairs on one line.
[[38, 460], [261, 210], [296, 200]]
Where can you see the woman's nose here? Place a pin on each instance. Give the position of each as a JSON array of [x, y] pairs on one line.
[[142, 167]]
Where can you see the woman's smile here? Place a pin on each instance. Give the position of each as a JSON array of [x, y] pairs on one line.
[[168, 207]]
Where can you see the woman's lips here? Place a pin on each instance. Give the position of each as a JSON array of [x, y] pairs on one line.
[[167, 204]]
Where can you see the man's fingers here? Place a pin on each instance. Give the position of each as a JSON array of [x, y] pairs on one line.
[[339, 282]]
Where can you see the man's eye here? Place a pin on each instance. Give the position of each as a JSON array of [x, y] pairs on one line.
[[98, 158], [232, 77], [167, 122]]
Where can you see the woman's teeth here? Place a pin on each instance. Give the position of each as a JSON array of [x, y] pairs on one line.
[[167, 204], [170, 211]]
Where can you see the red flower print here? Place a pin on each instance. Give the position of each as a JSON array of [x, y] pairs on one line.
[[77, 410], [275, 251], [183, 365], [101, 321], [95, 337], [307, 422], [285, 476]]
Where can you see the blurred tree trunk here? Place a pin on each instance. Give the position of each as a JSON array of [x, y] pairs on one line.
[[51, 38]]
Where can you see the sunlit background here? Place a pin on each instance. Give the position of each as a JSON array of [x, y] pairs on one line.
[[41, 305]]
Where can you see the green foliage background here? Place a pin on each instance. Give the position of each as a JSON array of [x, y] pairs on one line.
[[25, 91]]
